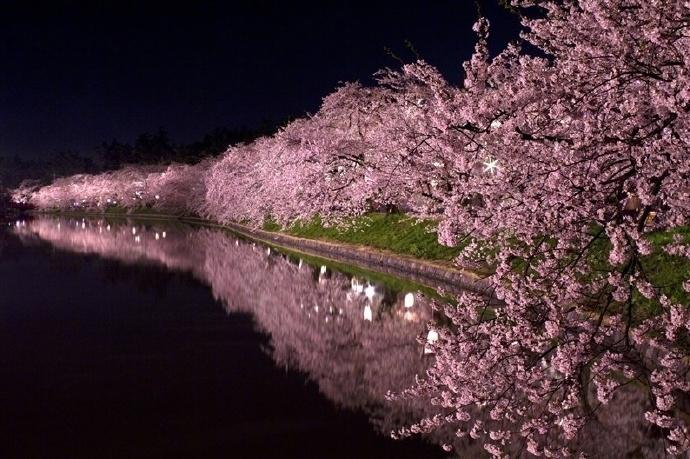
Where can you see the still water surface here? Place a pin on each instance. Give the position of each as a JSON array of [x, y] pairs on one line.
[[124, 338]]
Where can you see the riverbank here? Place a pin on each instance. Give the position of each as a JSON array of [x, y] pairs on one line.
[[436, 274]]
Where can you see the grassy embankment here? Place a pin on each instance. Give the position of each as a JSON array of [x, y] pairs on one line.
[[396, 233], [666, 271]]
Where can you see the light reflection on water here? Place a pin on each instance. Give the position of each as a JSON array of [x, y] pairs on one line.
[[356, 339]]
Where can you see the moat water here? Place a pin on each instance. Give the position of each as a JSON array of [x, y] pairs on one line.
[[123, 338]]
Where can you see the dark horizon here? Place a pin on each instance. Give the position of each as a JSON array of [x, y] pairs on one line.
[[77, 75]]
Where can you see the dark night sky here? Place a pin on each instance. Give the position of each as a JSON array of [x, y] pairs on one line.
[[75, 74]]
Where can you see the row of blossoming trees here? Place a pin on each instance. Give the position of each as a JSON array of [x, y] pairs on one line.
[[570, 158]]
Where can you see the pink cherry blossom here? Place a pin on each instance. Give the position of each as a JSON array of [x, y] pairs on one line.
[[556, 159]]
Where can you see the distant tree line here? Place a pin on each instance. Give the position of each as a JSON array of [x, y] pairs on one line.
[[148, 148]]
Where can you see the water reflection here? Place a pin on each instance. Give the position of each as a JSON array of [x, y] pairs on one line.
[[355, 338]]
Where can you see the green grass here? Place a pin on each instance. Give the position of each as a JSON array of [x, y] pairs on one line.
[[665, 271], [396, 233]]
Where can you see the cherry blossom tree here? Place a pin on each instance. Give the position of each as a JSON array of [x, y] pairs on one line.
[[564, 159], [180, 188], [584, 147], [321, 165], [177, 187]]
